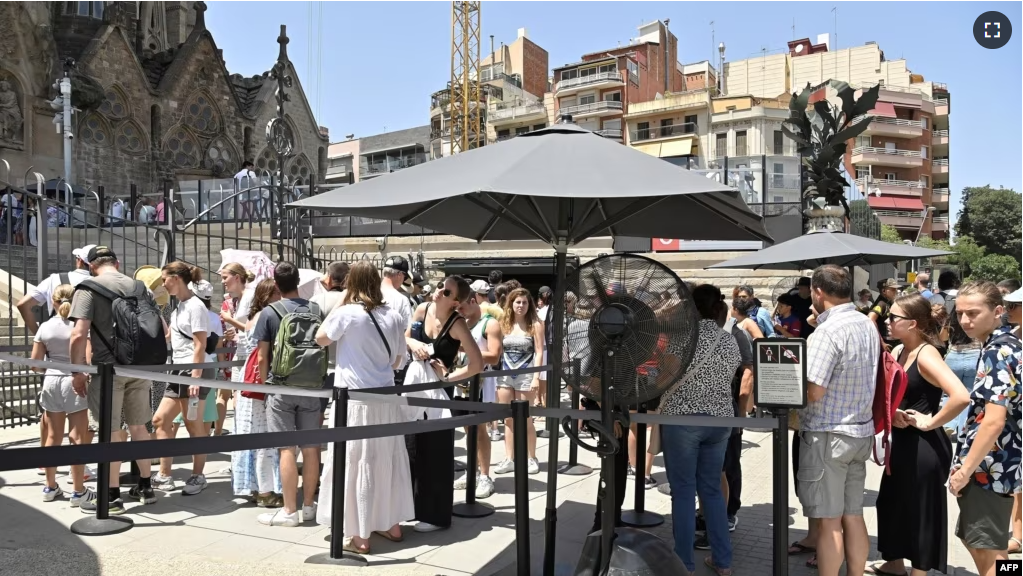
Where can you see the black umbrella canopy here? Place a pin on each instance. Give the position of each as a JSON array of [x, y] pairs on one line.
[[515, 190], [819, 248]]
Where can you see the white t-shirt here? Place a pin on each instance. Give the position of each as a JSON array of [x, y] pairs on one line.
[[328, 301], [362, 360], [55, 334], [216, 327], [43, 292], [400, 303], [190, 317]]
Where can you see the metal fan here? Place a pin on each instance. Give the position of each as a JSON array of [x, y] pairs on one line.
[[630, 335]]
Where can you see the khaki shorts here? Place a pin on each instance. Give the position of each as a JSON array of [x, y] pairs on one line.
[[132, 397], [984, 515], [832, 473]]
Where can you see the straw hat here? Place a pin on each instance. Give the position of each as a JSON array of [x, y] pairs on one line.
[[152, 277]]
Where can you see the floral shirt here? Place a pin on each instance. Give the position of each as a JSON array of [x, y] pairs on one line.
[[998, 382]]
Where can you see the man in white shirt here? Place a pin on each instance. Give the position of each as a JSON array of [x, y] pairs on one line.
[[245, 178], [395, 272], [42, 295]]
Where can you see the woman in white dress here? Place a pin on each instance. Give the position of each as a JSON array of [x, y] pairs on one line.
[[370, 340]]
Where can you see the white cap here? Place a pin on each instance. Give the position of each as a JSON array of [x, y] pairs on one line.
[[202, 289], [1016, 296], [480, 287], [83, 252]]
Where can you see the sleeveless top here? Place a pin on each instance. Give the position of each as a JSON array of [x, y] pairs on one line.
[[518, 353], [445, 346], [920, 394]]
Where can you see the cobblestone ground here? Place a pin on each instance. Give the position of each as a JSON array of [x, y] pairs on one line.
[[216, 534]]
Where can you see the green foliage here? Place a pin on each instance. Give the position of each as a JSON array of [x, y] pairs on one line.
[[992, 219], [963, 222], [890, 234], [824, 137], [994, 267], [965, 252], [862, 220]]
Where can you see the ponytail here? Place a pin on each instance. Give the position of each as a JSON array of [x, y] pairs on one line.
[[195, 274], [62, 300]]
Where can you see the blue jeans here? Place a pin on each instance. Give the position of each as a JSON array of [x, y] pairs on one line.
[[964, 365], [694, 457]]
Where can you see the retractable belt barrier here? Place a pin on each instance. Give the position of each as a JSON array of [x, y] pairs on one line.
[[105, 452]]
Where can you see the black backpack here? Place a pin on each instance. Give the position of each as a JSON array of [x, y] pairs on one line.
[[212, 339], [139, 338]]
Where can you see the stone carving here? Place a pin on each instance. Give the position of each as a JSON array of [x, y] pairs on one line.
[[11, 119]]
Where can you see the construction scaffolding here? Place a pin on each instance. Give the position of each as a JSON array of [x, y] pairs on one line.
[[467, 123]]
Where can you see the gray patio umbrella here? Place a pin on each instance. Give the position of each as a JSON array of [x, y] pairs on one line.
[[813, 250], [560, 185]]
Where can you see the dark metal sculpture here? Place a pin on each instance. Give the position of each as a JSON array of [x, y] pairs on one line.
[[822, 138], [280, 138]]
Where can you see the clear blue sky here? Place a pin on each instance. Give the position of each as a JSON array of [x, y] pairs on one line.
[[382, 60]]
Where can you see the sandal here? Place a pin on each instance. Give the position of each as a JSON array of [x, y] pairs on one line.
[[876, 569], [719, 571], [797, 548], [387, 536], [349, 546], [1019, 546], [812, 562]]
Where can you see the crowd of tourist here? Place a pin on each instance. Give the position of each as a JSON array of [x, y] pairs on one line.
[[956, 429]]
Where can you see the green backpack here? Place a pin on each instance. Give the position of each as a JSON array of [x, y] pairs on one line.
[[298, 361]]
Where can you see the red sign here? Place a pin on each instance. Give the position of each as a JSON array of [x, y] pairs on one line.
[[666, 245]]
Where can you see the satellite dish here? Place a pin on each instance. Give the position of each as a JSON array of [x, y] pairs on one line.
[[799, 48]]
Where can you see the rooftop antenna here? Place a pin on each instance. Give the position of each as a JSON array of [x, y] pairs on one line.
[[713, 43]]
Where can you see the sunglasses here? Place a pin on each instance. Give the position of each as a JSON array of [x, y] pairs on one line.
[[896, 316], [442, 291]]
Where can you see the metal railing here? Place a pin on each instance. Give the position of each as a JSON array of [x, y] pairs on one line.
[[600, 106], [508, 111], [391, 164], [941, 191], [900, 213], [886, 151], [642, 134], [940, 219], [940, 134], [609, 132], [939, 86], [940, 101], [864, 183], [589, 79], [783, 182], [941, 161], [898, 122]]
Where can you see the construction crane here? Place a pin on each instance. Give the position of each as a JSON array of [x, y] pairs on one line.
[[467, 124]]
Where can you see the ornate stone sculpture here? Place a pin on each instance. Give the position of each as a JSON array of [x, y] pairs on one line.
[[11, 119]]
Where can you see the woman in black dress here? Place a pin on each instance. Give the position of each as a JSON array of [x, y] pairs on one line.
[[911, 505]]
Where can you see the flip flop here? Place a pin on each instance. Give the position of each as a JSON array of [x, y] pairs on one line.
[[719, 571], [387, 536], [1019, 546], [800, 549], [812, 562], [348, 546], [877, 570]]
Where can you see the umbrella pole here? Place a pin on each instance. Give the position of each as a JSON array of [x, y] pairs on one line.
[[550, 520]]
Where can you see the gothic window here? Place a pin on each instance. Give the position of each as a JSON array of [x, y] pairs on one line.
[[220, 156], [95, 131], [131, 138], [202, 115], [115, 105], [299, 169], [267, 160], [181, 149]]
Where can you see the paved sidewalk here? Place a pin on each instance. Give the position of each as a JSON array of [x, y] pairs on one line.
[[213, 534]]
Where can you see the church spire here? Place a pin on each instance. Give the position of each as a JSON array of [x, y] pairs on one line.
[[200, 15], [283, 40]]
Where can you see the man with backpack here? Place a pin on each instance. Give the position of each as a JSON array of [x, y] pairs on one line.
[[289, 357], [42, 294], [837, 428], [118, 317]]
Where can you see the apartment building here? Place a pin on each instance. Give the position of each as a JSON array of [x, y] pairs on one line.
[[600, 89], [902, 161], [358, 159], [516, 79]]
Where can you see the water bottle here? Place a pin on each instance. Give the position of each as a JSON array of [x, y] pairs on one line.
[[193, 408]]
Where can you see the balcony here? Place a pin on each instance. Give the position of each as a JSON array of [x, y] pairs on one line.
[[337, 172], [939, 166], [593, 109], [511, 113], [895, 127], [659, 132], [901, 220], [869, 155], [891, 187], [939, 138], [612, 133], [373, 169], [939, 224], [940, 106], [692, 100], [598, 80], [939, 198]]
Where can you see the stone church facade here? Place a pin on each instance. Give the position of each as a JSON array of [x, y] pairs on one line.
[[170, 110]]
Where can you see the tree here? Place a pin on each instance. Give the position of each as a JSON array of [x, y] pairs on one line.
[[964, 223], [993, 221], [994, 267], [965, 252], [890, 234]]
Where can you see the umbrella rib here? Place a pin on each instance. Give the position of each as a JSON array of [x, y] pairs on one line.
[[539, 214], [629, 211], [603, 212], [586, 214], [523, 221], [493, 221], [429, 206], [703, 202], [512, 217]]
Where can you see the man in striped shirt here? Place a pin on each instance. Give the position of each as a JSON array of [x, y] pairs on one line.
[[837, 427]]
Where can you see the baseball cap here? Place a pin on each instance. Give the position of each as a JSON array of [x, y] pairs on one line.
[[1016, 296], [83, 252], [480, 287], [889, 283], [398, 263], [545, 290], [418, 279], [203, 289], [100, 252]]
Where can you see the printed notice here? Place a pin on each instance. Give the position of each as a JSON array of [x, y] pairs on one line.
[[780, 372]]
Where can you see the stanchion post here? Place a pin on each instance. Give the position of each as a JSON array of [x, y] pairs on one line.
[[573, 467], [520, 413], [780, 462], [471, 508], [337, 555], [638, 517], [102, 524]]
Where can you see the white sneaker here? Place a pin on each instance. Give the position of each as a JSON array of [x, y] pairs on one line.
[[505, 467], [279, 518], [462, 481], [165, 483], [484, 487], [533, 466], [90, 476], [195, 484], [51, 494], [309, 513], [495, 435], [424, 527]]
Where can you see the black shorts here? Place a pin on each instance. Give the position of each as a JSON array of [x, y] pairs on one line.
[[181, 391]]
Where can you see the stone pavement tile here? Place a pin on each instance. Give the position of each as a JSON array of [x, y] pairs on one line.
[[472, 555], [240, 548], [242, 520], [184, 540]]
